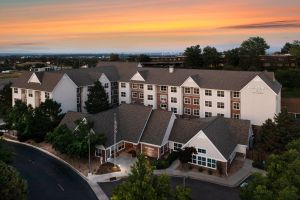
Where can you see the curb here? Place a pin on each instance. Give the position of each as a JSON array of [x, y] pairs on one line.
[[99, 194]]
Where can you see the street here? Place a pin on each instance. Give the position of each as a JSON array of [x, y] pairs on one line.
[[48, 178], [200, 190]]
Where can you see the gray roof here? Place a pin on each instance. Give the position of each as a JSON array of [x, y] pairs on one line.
[[131, 121], [224, 133], [48, 81], [211, 79], [123, 71], [156, 127]]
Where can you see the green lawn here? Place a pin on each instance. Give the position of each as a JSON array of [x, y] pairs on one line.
[[291, 92]]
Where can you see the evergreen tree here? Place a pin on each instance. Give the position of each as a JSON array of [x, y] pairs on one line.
[[97, 99], [193, 57]]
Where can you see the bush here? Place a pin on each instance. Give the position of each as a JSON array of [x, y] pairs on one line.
[[165, 163], [259, 164], [210, 172]]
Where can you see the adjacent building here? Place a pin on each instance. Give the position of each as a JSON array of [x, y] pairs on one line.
[[191, 93], [156, 132]]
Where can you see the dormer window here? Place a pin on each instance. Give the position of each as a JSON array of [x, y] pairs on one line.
[[30, 94]]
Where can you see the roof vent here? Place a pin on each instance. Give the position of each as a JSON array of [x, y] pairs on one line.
[[171, 69]]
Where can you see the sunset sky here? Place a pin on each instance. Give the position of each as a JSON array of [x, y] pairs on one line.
[[99, 26]]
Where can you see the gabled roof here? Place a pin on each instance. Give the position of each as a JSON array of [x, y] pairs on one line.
[[131, 121], [224, 133], [48, 81], [156, 127]]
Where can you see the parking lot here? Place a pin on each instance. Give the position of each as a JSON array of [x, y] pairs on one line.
[[200, 190]]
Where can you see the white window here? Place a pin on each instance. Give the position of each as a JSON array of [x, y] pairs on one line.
[[174, 110], [196, 112], [187, 111], [207, 92], [16, 90], [208, 114], [105, 85], [211, 163], [163, 106], [220, 93], [173, 89], [149, 87], [123, 94], [187, 100], [141, 95], [220, 114], [123, 85], [163, 88], [203, 151], [177, 146], [173, 100], [236, 116], [236, 106], [141, 86], [134, 95], [196, 101], [196, 90], [150, 97], [47, 95], [134, 86], [208, 103], [163, 98], [187, 90], [236, 94], [30, 94], [220, 105]]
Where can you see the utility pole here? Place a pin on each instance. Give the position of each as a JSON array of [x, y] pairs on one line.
[[115, 138]]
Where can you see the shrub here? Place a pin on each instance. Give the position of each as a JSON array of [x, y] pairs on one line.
[[210, 172], [259, 164], [200, 169]]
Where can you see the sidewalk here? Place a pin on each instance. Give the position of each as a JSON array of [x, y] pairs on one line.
[[229, 181], [94, 186]]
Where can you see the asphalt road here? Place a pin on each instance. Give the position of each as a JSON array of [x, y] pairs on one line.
[[48, 178], [200, 190]]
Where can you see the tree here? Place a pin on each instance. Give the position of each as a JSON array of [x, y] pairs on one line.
[[114, 57], [5, 99], [185, 155], [275, 135], [75, 144], [142, 184], [232, 57], [143, 58], [282, 180], [250, 51], [193, 57], [286, 48], [12, 186], [97, 99], [182, 193], [211, 56], [295, 51]]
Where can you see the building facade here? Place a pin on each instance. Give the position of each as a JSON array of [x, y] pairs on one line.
[[192, 93]]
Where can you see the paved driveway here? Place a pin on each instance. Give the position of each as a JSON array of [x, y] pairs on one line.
[[48, 179], [200, 190]]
